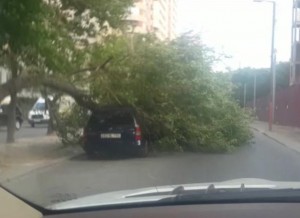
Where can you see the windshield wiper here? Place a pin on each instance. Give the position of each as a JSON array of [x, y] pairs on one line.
[[240, 194], [212, 189], [182, 190], [225, 194]]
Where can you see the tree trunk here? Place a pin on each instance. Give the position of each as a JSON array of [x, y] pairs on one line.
[[11, 122], [50, 129]]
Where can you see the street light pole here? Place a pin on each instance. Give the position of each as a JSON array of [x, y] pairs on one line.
[[273, 61], [254, 92], [245, 94], [273, 66]]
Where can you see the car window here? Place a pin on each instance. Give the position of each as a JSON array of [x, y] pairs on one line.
[[111, 119], [39, 106]]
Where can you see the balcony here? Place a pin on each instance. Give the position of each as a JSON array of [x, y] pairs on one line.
[[139, 18], [297, 4], [297, 17], [297, 55]]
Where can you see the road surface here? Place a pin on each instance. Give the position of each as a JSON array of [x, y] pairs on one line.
[[26, 131], [79, 176]]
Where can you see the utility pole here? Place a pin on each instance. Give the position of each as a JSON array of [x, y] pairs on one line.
[[245, 94], [273, 65], [254, 92]]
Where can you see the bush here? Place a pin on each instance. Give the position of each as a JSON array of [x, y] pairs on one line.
[[69, 124]]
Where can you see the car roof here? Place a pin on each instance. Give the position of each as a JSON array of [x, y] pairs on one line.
[[40, 100]]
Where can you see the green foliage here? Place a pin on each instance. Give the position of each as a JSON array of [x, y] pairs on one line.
[[105, 11], [184, 105], [18, 21], [69, 124], [43, 37]]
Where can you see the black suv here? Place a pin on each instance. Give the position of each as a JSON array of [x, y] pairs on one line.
[[4, 116], [114, 130]]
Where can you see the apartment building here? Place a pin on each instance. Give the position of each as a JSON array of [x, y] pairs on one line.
[[153, 16]]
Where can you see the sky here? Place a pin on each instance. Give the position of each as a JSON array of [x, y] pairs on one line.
[[239, 28]]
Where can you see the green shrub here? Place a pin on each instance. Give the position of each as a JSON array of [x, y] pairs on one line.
[[69, 124]]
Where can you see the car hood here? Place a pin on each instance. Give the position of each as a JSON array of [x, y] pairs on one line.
[[156, 193]]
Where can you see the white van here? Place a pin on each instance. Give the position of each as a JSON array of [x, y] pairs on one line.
[[39, 113]]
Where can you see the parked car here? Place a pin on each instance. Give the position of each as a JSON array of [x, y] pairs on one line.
[[39, 114], [4, 108], [114, 129]]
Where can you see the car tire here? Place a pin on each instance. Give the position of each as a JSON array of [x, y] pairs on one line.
[[32, 124], [18, 124], [144, 151]]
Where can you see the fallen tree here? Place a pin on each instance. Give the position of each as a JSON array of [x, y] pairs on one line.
[[171, 84], [184, 105]]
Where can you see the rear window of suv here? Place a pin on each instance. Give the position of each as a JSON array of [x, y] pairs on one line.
[[118, 118]]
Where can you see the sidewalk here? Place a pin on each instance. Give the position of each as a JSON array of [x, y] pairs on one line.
[[29, 154], [285, 135]]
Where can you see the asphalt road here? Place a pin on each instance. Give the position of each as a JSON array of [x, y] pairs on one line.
[[79, 176], [26, 131]]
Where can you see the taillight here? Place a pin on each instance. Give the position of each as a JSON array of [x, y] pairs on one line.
[[138, 133]]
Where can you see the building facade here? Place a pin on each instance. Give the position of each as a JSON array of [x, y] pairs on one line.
[[153, 16]]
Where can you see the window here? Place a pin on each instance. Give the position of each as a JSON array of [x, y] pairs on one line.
[[40, 106], [134, 11]]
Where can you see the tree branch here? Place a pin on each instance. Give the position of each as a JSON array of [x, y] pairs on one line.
[[96, 68], [57, 84], [19, 84], [80, 96]]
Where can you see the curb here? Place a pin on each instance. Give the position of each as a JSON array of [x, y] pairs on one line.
[[274, 139], [270, 137], [37, 167]]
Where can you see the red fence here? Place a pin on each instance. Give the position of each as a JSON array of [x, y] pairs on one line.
[[287, 107]]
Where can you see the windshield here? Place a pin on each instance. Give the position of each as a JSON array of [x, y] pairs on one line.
[[41, 106], [148, 100], [116, 118]]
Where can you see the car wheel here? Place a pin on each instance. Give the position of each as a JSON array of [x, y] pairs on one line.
[[32, 124], [18, 124], [143, 152]]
